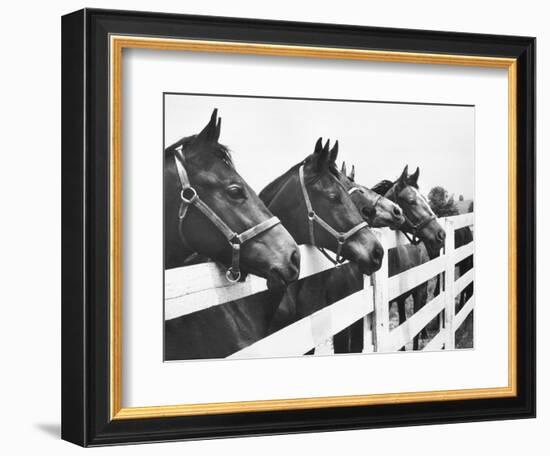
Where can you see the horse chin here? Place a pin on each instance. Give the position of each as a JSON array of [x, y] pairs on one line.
[[393, 223], [397, 224], [433, 248], [368, 268], [386, 222], [376, 222], [276, 281]]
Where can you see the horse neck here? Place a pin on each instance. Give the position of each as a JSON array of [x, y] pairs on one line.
[[287, 203], [404, 257]]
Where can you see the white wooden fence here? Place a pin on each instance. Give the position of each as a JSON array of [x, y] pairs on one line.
[[195, 288]]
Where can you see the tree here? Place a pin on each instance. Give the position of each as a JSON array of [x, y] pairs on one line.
[[441, 204], [437, 197]]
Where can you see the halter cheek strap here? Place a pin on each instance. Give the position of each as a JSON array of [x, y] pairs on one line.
[[313, 218], [189, 197], [376, 199]]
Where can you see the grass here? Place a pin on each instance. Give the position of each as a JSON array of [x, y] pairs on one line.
[[464, 336]]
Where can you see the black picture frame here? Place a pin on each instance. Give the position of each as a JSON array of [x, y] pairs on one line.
[[85, 227]]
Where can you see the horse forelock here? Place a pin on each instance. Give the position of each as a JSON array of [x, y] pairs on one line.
[[383, 187], [224, 154], [220, 151]]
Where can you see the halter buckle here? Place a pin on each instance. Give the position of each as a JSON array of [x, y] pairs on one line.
[[232, 276], [188, 199]]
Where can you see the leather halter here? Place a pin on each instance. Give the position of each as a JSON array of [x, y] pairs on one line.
[[413, 228], [189, 197], [356, 188], [313, 218]]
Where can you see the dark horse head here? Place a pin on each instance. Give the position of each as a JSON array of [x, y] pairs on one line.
[[272, 254], [377, 210], [330, 201], [420, 221]]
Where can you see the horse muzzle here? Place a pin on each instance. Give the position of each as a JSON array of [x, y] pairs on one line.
[[368, 260], [281, 275]]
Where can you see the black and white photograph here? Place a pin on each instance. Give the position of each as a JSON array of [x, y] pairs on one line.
[[296, 226]]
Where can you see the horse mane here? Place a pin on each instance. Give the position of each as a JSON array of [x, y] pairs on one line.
[[382, 187], [221, 151], [271, 189]]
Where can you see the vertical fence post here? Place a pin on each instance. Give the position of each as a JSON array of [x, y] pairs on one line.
[[368, 320], [449, 284], [321, 325], [325, 347], [381, 305]]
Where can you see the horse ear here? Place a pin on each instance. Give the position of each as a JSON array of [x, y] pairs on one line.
[[318, 146], [352, 174], [218, 129], [413, 178], [326, 148], [211, 132], [334, 153], [324, 158], [404, 175], [343, 170], [321, 156]]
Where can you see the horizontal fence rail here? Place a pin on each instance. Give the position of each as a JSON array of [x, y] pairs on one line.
[[196, 288], [313, 330]]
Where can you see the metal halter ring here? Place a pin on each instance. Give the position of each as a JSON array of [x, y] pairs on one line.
[[231, 276], [311, 215], [190, 199]]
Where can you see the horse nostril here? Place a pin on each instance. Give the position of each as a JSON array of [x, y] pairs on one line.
[[295, 258], [441, 235], [397, 211]]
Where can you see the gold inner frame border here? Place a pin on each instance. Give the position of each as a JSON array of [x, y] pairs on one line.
[[116, 46]]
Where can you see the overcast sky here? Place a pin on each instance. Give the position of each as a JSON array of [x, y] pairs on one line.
[[268, 136]]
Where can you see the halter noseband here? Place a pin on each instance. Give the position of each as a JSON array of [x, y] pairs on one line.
[[356, 188], [313, 218], [189, 197], [414, 229], [413, 237]]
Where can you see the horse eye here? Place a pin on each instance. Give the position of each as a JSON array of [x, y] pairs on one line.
[[333, 197], [236, 192]]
